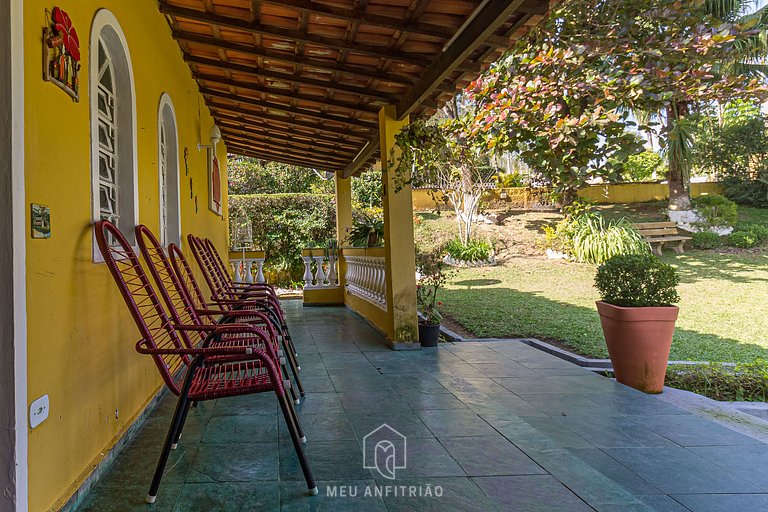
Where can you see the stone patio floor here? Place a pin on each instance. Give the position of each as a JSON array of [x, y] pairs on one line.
[[496, 425]]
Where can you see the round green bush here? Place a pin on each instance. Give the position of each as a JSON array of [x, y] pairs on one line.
[[637, 280], [716, 210], [743, 239], [759, 231], [706, 240]]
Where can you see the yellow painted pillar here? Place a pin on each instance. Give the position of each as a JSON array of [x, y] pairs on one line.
[[343, 207], [402, 322]]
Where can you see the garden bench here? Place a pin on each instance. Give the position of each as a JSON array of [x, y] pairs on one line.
[[659, 234]]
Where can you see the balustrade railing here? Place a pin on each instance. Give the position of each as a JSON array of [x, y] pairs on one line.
[[243, 268], [366, 278], [325, 273]]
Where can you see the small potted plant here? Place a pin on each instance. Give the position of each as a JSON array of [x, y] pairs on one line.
[[638, 317], [433, 273], [367, 230]]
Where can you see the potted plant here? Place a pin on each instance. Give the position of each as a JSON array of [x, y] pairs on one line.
[[367, 230], [638, 317], [432, 275]]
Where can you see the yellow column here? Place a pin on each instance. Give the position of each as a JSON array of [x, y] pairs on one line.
[[343, 206], [402, 323]]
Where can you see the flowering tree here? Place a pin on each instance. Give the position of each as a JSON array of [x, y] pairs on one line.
[[564, 92]]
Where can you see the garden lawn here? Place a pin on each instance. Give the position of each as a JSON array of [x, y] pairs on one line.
[[722, 309]]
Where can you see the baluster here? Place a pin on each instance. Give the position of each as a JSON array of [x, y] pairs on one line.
[[332, 271], [238, 271], [319, 273], [248, 266], [260, 271], [307, 271], [381, 283]]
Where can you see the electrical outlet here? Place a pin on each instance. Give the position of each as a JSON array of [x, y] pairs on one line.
[[38, 411]]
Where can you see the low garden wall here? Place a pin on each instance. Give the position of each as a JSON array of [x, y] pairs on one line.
[[526, 198]]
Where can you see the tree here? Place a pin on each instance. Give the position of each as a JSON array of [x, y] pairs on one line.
[[366, 189], [441, 154], [253, 176], [577, 76], [731, 142]]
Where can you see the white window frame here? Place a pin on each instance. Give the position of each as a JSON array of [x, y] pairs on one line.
[[170, 198], [104, 22]]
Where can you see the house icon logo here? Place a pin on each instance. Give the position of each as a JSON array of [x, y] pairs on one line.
[[384, 449]]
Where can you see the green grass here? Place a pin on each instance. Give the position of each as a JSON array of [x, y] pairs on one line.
[[722, 308]]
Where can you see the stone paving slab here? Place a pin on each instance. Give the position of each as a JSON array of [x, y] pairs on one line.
[[497, 425]]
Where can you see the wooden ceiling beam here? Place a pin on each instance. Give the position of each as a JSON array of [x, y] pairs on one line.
[[366, 153], [481, 24], [304, 161], [292, 59], [289, 148], [299, 131], [289, 109], [283, 137], [292, 135], [290, 35], [375, 20], [213, 79], [363, 92], [265, 116]]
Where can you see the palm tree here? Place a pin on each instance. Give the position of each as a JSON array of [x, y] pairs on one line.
[[748, 61]]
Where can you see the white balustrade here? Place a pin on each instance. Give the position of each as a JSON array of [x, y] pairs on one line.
[[319, 278], [365, 278], [242, 269]]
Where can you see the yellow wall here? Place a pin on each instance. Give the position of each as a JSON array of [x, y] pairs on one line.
[[640, 192], [81, 338], [424, 200]]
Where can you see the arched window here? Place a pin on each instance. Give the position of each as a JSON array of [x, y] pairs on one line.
[[168, 172], [113, 127]]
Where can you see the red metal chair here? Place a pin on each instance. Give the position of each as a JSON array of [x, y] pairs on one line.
[[224, 294], [253, 371], [184, 312], [179, 305], [220, 282]]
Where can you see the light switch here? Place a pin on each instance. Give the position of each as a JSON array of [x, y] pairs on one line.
[[38, 411]]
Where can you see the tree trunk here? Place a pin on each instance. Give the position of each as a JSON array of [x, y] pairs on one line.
[[569, 196], [679, 196]]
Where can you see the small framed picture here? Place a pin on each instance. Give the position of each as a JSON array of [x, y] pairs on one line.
[[41, 221]]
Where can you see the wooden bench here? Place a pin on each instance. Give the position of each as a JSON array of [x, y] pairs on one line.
[[659, 234]]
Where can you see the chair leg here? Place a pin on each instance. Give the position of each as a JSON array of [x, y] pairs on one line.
[[297, 425], [176, 427], [284, 405], [679, 248], [294, 366], [183, 422]]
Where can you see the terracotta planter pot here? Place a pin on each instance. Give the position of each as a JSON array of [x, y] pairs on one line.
[[429, 334], [638, 342]]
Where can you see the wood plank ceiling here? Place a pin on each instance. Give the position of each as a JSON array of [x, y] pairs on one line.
[[302, 81]]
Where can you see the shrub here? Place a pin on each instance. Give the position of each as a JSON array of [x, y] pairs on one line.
[[596, 240], [642, 166], [474, 250], [706, 240], [284, 224], [759, 231], [716, 210], [743, 239], [637, 280], [741, 382]]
